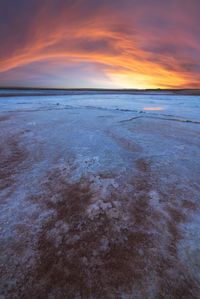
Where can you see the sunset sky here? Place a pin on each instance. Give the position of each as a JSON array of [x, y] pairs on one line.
[[100, 43]]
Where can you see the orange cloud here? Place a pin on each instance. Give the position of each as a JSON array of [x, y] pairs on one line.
[[126, 45]]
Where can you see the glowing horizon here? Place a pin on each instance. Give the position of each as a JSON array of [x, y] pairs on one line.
[[100, 44]]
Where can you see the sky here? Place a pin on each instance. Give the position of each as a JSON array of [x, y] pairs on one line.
[[100, 43]]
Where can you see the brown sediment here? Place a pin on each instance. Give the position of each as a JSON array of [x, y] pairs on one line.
[[142, 165], [108, 255], [126, 144], [189, 205], [10, 160], [4, 117]]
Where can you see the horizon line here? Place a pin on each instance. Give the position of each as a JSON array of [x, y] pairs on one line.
[[99, 89]]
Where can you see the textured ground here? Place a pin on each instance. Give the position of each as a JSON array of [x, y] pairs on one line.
[[100, 196]]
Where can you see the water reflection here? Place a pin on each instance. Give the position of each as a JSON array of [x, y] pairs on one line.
[[153, 108]]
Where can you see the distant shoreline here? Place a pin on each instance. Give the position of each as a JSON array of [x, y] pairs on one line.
[[73, 91]]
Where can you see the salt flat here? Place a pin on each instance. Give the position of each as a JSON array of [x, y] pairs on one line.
[[100, 195]]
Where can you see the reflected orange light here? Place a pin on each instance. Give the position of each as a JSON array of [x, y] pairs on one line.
[[153, 108]]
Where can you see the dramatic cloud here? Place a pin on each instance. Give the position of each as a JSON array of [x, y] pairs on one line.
[[98, 43]]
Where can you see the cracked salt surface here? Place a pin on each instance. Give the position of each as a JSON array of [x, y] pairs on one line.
[[93, 207]]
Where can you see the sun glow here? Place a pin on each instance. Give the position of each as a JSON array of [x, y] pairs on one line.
[[112, 52]]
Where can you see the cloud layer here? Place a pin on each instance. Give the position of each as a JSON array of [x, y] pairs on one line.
[[93, 43]]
